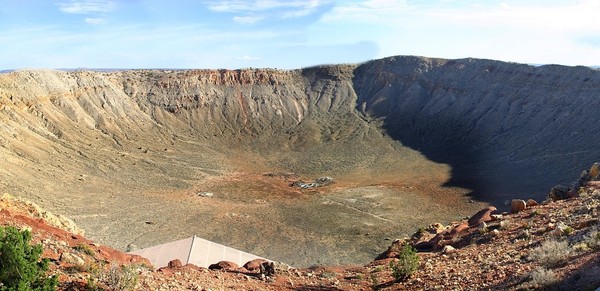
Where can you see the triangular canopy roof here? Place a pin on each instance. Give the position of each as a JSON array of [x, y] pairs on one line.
[[193, 250]]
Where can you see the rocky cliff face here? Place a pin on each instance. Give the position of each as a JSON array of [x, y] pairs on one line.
[[129, 147]]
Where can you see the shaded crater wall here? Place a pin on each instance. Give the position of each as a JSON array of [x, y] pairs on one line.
[[504, 128]]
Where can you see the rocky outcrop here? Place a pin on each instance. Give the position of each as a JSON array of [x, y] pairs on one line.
[[224, 265], [21, 205], [483, 215], [587, 178]]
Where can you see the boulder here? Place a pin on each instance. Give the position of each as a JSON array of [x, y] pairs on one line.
[[436, 228], [224, 265], [448, 249], [131, 248], [175, 264], [483, 215], [206, 194], [482, 227], [594, 171], [254, 265], [268, 268], [531, 202], [458, 229], [393, 250], [582, 181], [559, 192], [517, 205], [323, 181], [71, 259], [496, 217]]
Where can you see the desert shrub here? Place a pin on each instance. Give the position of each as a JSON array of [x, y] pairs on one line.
[[378, 269], [568, 231], [551, 253], [407, 264], [592, 239], [84, 248], [20, 264], [115, 277], [542, 278]]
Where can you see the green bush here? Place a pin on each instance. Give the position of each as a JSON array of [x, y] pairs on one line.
[[20, 264], [407, 264]]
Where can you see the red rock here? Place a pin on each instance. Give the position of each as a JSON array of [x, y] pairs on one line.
[[433, 243], [595, 184], [175, 264], [458, 229], [224, 265], [254, 265], [483, 215], [531, 202], [517, 205]]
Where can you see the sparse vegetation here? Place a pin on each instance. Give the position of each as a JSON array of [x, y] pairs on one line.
[[407, 264], [543, 278], [115, 277], [20, 264], [551, 253], [567, 231], [374, 281], [592, 239], [378, 269], [84, 248]]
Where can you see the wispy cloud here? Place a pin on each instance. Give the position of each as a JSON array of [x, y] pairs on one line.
[[86, 6], [260, 5], [267, 9], [248, 58], [247, 19], [95, 21]]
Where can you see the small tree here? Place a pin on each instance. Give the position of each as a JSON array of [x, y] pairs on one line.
[[20, 265], [407, 264]]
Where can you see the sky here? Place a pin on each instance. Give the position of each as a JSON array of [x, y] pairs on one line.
[[288, 34]]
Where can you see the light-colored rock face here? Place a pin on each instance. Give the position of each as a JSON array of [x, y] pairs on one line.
[[114, 150]]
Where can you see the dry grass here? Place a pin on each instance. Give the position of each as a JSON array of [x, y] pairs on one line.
[[551, 253], [543, 278]]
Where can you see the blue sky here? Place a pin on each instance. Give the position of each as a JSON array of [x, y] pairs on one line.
[[291, 34]]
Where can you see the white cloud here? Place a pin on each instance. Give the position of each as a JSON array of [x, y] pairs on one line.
[[247, 19], [259, 5], [95, 21], [86, 6], [248, 58], [272, 8]]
